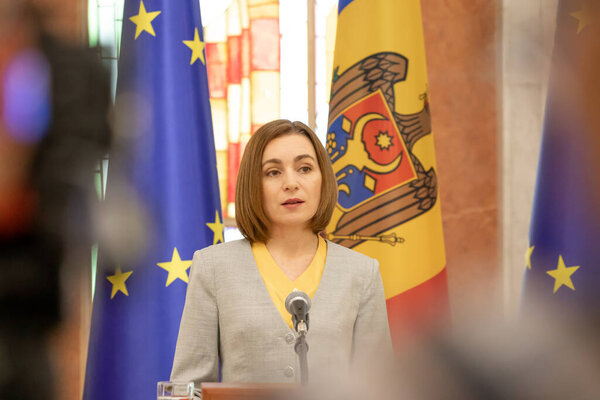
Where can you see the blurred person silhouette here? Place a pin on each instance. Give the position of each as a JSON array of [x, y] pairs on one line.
[[540, 355], [537, 356], [54, 102]]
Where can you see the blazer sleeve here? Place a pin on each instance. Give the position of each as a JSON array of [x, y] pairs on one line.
[[197, 351], [371, 337]]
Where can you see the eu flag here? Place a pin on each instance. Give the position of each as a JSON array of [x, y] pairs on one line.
[[172, 166], [563, 258]]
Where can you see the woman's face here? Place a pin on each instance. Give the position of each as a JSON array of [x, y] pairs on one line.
[[291, 181]]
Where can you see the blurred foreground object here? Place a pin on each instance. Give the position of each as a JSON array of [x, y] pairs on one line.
[[166, 152], [534, 358], [53, 131], [537, 357], [563, 258], [388, 206]]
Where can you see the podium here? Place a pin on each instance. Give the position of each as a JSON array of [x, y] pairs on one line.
[[249, 391]]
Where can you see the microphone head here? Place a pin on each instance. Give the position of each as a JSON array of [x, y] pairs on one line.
[[294, 297]]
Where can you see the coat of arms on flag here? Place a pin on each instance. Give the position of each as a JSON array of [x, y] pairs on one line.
[[370, 146]]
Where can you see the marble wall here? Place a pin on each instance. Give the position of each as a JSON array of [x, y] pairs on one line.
[[488, 65], [461, 38]]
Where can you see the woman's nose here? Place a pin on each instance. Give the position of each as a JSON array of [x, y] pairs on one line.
[[290, 182]]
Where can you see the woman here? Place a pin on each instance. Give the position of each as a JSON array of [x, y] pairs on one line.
[[234, 313]]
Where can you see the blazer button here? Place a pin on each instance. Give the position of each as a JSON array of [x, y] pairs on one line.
[[288, 371], [289, 338]]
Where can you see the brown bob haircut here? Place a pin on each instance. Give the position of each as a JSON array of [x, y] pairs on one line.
[[250, 215]]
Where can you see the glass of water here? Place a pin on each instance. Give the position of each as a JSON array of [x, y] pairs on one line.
[[175, 390]]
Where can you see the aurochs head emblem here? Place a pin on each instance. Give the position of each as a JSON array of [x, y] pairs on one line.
[[381, 183]]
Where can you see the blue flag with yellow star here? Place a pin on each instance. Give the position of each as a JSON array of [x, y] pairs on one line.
[[563, 258], [172, 166]]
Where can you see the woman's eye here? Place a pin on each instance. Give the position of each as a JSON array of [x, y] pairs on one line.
[[272, 172], [305, 169]]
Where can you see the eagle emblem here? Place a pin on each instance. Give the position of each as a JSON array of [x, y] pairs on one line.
[[381, 183]]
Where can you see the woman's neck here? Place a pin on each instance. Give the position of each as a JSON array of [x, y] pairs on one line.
[[293, 250], [292, 239]]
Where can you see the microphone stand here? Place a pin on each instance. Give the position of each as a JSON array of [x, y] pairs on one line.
[[301, 348]]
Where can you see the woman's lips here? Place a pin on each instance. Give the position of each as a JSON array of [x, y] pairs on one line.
[[292, 203]]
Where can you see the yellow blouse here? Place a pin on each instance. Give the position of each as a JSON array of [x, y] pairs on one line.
[[279, 285]]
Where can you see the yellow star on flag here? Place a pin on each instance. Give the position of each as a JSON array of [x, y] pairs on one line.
[[217, 227], [177, 268], [197, 47], [143, 20], [384, 141], [562, 275], [582, 16], [118, 282], [528, 256]]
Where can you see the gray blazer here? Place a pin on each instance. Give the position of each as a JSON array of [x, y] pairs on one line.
[[230, 318]]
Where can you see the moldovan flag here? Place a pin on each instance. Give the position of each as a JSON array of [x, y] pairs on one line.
[[381, 145]]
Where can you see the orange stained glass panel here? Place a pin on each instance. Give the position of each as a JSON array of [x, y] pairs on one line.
[[216, 66], [264, 44]]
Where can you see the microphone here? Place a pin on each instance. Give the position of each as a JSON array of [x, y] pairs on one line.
[[298, 303]]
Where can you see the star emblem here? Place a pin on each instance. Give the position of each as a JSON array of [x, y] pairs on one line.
[[528, 256], [118, 282], [143, 20], [217, 227], [197, 47], [177, 268], [562, 275], [384, 140]]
